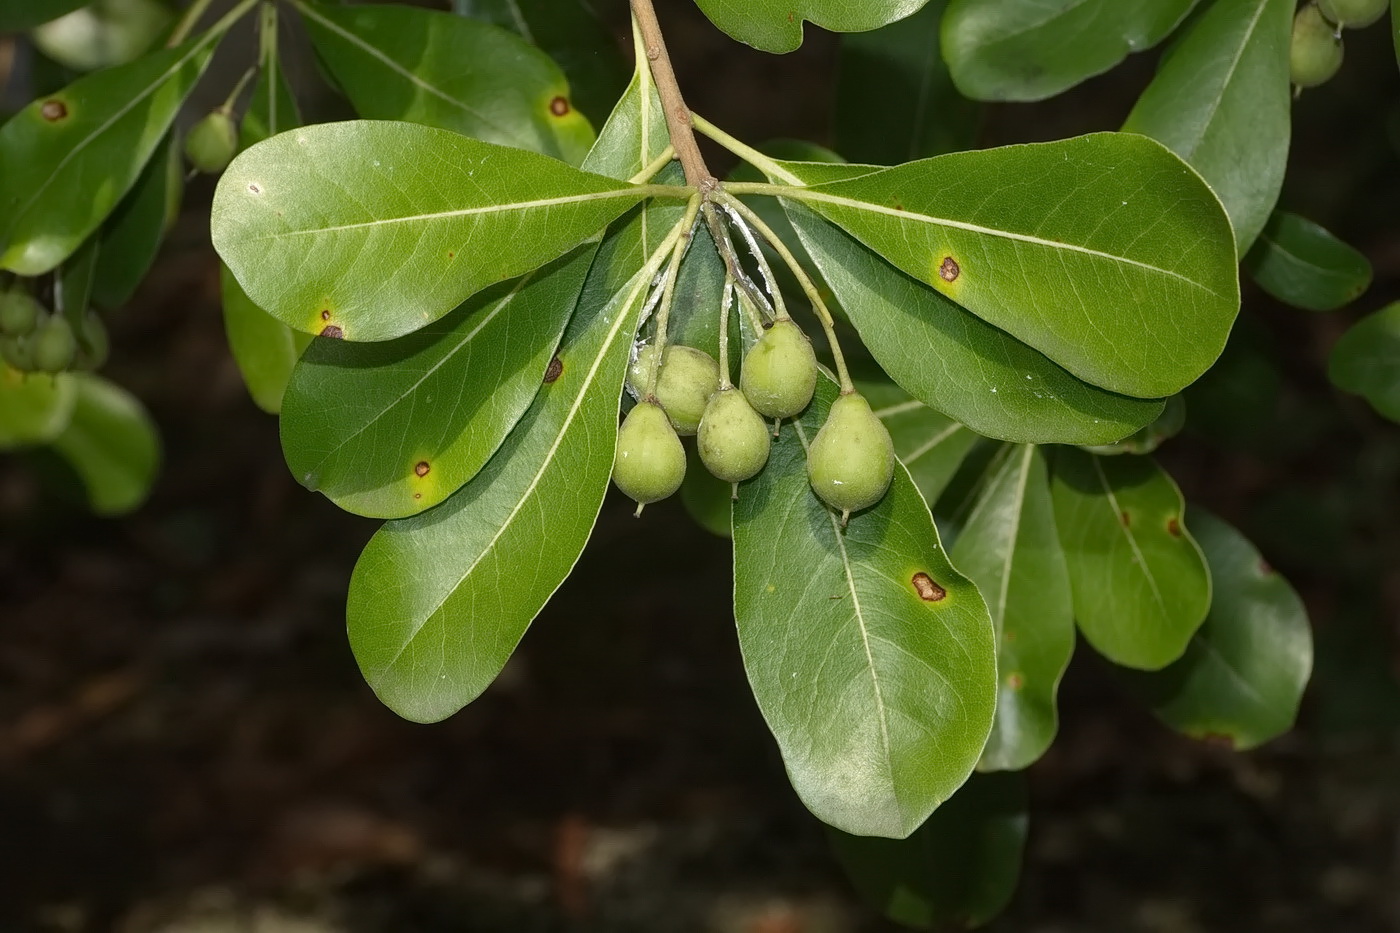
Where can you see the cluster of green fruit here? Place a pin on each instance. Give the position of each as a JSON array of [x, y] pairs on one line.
[[850, 462], [32, 340], [1316, 51]]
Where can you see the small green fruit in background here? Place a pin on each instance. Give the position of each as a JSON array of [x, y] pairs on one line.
[[650, 461], [733, 440], [93, 343], [54, 344], [1316, 50], [18, 352], [1353, 14], [688, 378], [851, 461], [779, 373], [19, 314], [212, 142]]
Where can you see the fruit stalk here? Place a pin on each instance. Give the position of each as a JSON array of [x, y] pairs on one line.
[[663, 316]]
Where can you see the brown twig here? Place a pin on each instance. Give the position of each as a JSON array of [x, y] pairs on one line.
[[697, 173]]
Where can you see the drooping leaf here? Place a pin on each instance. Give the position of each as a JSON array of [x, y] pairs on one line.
[[1104, 252], [1366, 361], [871, 658], [1244, 671], [1033, 49], [34, 407], [1221, 101], [895, 100], [67, 159], [392, 428], [958, 870], [111, 443], [1140, 583], [929, 444], [73, 292], [447, 71], [953, 360], [376, 229], [131, 236], [19, 15], [776, 25], [1301, 264], [1147, 439], [1010, 549]]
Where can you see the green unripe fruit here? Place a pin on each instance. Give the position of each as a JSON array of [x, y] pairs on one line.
[[851, 460], [19, 313], [688, 378], [779, 374], [1315, 52], [93, 343], [212, 142], [18, 352], [650, 461], [54, 345], [1353, 13], [733, 440]]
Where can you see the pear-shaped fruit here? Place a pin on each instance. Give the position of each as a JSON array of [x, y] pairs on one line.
[[1315, 52], [688, 378], [650, 461], [54, 344], [779, 373], [851, 460], [733, 440], [19, 314], [1353, 14], [212, 142], [18, 352]]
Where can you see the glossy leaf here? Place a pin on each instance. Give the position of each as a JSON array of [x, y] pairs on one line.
[[392, 428], [19, 15], [1301, 264], [1104, 252], [425, 66], [1243, 674], [929, 444], [953, 360], [1147, 439], [635, 133], [958, 870], [776, 25], [1010, 549], [1032, 49], [1366, 361], [67, 159], [376, 229], [895, 100], [1140, 583], [1221, 101], [34, 407], [880, 698], [131, 236], [112, 445], [73, 292]]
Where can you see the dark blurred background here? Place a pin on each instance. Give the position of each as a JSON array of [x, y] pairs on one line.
[[186, 743]]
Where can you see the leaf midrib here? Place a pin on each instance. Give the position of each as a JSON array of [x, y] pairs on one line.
[[1138, 557]]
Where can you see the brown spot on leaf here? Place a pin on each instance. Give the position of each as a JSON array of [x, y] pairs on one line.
[[335, 333], [1125, 518], [559, 106], [255, 189], [898, 206], [1174, 527], [53, 110], [1015, 681], [554, 370], [422, 468], [451, 254], [1265, 567], [928, 591], [325, 314], [417, 495], [949, 270]]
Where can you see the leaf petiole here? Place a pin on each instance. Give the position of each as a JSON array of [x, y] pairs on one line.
[[663, 316], [654, 166]]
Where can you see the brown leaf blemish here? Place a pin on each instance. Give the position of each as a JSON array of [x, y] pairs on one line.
[[422, 468], [325, 314], [559, 106], [335, 333], [255, 189], [1174, 527], [1015, 681], [53, 110], [1125, 518], [1265, 568], [949, 270], [928, 591], [554, 370], [417, 495]]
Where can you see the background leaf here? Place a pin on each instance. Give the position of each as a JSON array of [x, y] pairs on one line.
[[131, 236], [958, 870], [880, 700], [1243, 674], [112, 445], [1301, 264], [929, 444], [776, 25], [18, 15], [1366, 360], [404, 63], [1221, 101], [34, 407], [1033, 49], [1140, 583], [1010, 549]]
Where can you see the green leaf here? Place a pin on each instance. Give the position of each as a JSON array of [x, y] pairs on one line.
[[635, 133], [404, 63], [34, 407], [1303, 265], [1033, 49], [954, 361], [112, 445], [1104, 252], [377, 229], [1147, 439], [19, 15], [707, 499], [776, 25], [389, 429], [895, 100], [1141, 586], [880, 698], [131, 236], [67, 159], [73, 293], [1366, 361], [1221, 101], [958, 870], [1010, 549], [929, 444], [1243, 674]]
